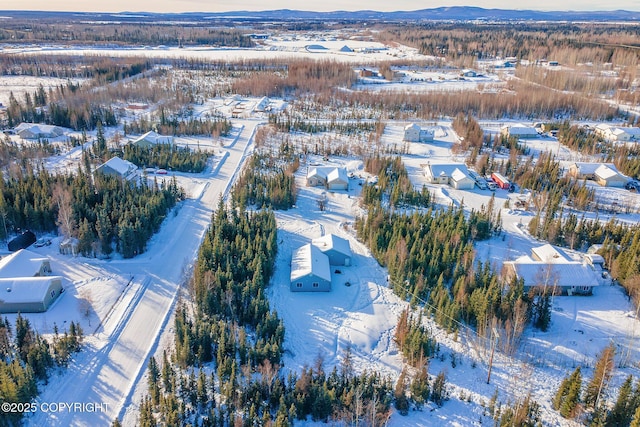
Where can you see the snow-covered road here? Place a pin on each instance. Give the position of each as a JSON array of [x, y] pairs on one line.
[[114, 359]]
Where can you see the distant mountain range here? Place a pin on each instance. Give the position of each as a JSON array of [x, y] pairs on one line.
[[455, 13]]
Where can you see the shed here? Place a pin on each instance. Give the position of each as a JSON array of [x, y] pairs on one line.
[[336, 248], [310, 270], [29, 294]]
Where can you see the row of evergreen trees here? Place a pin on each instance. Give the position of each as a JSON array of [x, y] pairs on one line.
[[26, 358], [167, 156]]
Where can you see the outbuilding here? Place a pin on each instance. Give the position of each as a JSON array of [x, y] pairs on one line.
[[310, 270], [29, 294], [22, 241]]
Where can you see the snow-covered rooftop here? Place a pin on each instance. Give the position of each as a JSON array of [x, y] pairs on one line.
[[307, 260], [25, 289], [549, 254], [123, 167], [332, 242], [22, 263], [153, 138]]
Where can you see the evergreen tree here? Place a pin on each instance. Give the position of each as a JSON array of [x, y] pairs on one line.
[[623, 410]]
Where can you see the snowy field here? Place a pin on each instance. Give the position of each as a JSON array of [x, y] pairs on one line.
[[19, 85]]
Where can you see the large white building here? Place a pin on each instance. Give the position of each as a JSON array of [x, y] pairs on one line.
[[36, 130], [454, 174]]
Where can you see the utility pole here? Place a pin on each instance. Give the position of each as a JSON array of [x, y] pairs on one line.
[[494, 343]]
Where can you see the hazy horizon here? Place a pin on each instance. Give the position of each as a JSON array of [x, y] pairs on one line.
[[176, 6]]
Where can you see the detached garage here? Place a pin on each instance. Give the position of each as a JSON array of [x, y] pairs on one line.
[[310, 270], [29, 294]]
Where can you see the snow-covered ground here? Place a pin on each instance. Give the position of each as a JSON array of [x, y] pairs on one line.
[[124, 305]]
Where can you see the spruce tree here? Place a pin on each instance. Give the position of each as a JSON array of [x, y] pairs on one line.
[[622, 411]]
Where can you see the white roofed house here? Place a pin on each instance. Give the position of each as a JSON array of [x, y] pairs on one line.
[[609, 177], [29, 294], [336, 248], [24, 263], [36, 130], [453, 174], [333, 178], [584, 170], [116, 166], [310, 270], [549, 269], [152, 138], [262, 104]]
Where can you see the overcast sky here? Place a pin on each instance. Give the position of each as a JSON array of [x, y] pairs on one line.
[[324, 5]]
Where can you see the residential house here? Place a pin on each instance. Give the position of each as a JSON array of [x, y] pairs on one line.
[[310, 270], [549, 269], [116, 166]]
